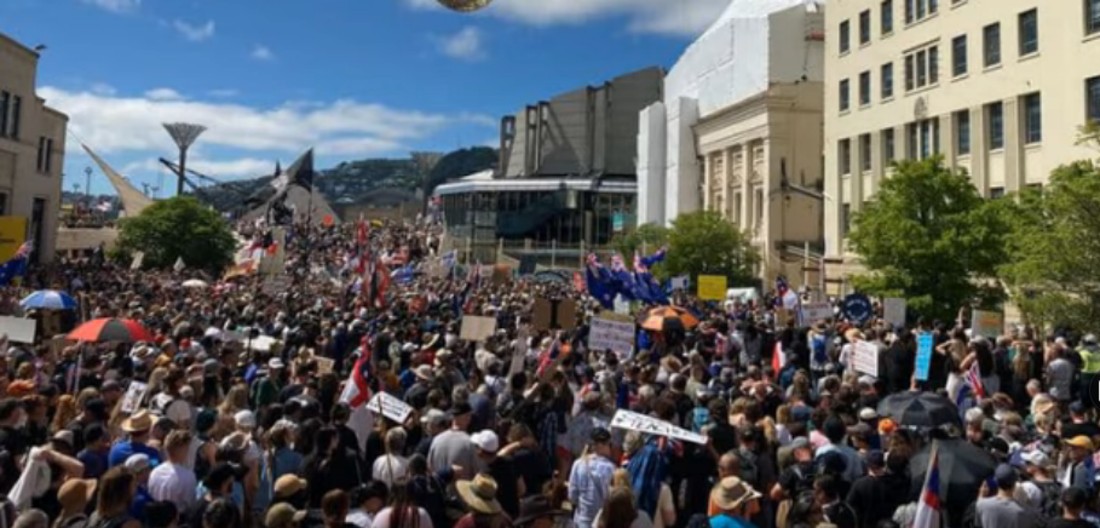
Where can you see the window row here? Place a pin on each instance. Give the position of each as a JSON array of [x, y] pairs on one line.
[[11, 107]]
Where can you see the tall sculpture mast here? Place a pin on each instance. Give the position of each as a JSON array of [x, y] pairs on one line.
[[184, 134]]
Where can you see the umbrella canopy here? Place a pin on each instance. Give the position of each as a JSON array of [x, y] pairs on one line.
[[110, 329], [919, 409], [665, 318], [963, 467], [194, 283], [48, 300]]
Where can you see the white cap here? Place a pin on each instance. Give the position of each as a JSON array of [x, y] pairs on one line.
[[275, 364], [1036, 457], [245, 419], [137, 462], [867, 413], [486, 441]]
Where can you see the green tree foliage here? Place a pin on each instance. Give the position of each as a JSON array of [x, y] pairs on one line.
[[705, 243], [928, 236], [646, 239], [462, 162], [174, 228]]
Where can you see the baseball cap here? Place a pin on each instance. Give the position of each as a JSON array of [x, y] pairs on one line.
[[868, 414], [1080, 441], [137, 463], [486, 441], [876, 458], [283, 515], [288, 485], [275, 364], [1036, 457], [1005, 476], [245, 419], [800, 443]]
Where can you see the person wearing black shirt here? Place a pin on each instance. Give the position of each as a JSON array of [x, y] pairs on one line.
[[525, 453], [1079, 424], [833, 509], [877, 495], [510, 487], [1073, 505], [218, 484], [13, 441]]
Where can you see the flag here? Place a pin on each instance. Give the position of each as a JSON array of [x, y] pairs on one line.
[[179, 265], [974, 380], [549, 357], [404, 274], [362, 232], [449, 259], [928, 504], [16, 266], [779, 358], [357, 388]]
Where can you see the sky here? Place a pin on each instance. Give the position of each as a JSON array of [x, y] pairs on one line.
[[352, 78]]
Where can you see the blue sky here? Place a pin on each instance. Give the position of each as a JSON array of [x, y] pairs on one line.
[[353, 78]]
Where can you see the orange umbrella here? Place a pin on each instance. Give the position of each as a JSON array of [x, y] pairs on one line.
[[664, 318]]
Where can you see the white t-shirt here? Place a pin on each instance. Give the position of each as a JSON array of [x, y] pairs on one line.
[[382, 520], [173, 483], [390, 469]]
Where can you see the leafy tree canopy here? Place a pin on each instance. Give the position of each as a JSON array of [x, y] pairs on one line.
[[705, 243], [928, 236], [175, 228]]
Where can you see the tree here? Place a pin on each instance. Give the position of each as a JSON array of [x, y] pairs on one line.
[[705, 243], [176, 228], [928, 236], [647, 238]]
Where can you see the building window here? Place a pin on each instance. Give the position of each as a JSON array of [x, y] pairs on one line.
[[888, 151], [887, 80], [962, 132], [996, 115], [865, 152], [917, 10], [886, 16], [992, 45], [1092, 93], [844, 149], [737, 208], [5, 104], [45, 154], [958, 55], [923, 138], [16, 112], [1092, 17], [1033, 118], [922, 68], [1029, 32], [865, 88], [933, 65], [865, 27], [996, 192], [845, 35], [845, 220], [845, 96]]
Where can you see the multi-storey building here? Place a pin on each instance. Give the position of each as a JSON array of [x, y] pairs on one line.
[[997, 87]]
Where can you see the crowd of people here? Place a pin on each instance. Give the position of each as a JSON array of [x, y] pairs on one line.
[[255, 408]]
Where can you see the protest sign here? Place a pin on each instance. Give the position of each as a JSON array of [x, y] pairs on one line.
[[924, 356], [633, 421], [622, 306], [893, 311], [324, 365], [276, 284], [612, 332], [712, 287], [857, 308], [390, 406], [679, 283], [139, 258], [502, 274], [810, 313], [135, 395], [988, 324], [519, 354], [477, 328], [865, 358], [554, 314], [13, 232], [18, 329]]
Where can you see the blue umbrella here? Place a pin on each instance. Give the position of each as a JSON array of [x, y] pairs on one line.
[[48, 300]]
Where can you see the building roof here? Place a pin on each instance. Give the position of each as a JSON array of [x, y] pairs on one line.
[[466, 185]]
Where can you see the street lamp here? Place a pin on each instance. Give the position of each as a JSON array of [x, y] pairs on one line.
[[184, 134], [88, 183]]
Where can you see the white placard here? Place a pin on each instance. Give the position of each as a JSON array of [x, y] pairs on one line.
[[612, 332], [18, 329], [810, 313], [865, 358], [324, 364], [477, 327], [633, 421], [622, 306], [389, 406], [276, 284], [679, 283], [893, 311], [135, 395], [139, 258]]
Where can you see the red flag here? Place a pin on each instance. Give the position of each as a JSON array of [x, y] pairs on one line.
[[357, 389], [362, 232]]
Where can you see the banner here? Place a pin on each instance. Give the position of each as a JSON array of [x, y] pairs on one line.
[[633, 421], [893, 311], [135, 395], [712, 287], [810, 313], [924, 356], [865, 358], [390, 406], [988, 324], [13, 232], [18, 329], [477, 328], [612, 332]]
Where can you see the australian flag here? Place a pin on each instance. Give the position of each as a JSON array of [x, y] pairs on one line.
[[16, 266], [598, 281]]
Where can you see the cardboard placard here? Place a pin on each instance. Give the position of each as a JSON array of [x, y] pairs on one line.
[[502, 274], [633, 421], [139, 258], [613, 332], [712, 287], [810, 313], [893, 311], [390, 406], [477, 328], [134, 397], [924, 356], [554, 314], [18, 329], [988, 324], [679, 283], [276, 284], [324, 365], [865, 358]]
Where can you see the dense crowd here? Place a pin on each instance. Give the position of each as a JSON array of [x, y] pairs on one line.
[[255, 412]]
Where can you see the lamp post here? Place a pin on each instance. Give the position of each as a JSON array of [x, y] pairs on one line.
[[88, 183], [184, 134]]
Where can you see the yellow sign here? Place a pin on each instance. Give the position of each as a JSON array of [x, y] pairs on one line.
[[13, 232], [712, 287]]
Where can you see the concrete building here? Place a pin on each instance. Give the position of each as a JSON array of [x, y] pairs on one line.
[[998, 87], [32, 149], [739, 130]]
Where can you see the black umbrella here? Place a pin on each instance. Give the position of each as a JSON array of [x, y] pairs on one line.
[[963, 467], [919, 409]]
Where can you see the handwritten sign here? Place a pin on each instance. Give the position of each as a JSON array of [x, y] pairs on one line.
[[139, 258], [924, 356], [865, 358], [810, 313], [988, 324], [135, 395], [857, 308], [276, 284], [324, 365], [389, 406], [612, 332], [893, 311], [633, 421], [712, 287], [477, 328], [18, 329]]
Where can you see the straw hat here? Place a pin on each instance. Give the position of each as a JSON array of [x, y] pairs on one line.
[[480, 494], [424, 372], [731, 493], [138, 422], [76, 493]]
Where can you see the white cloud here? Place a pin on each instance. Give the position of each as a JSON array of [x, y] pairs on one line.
[[262, 53], [194, 33], [100, 88], [116, 6], [465, 45], [163, 94], [224, 93], [670, 17]]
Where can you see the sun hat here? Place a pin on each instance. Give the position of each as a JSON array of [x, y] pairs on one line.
[[138, 422], [731, 493], [75, 493], [486, 441], [288, 485], [479, 494], [424, 372], [1080, 441], [283, 515]]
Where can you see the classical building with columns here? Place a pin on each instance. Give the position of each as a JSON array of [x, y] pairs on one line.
[[997, 87], [739, 131]]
